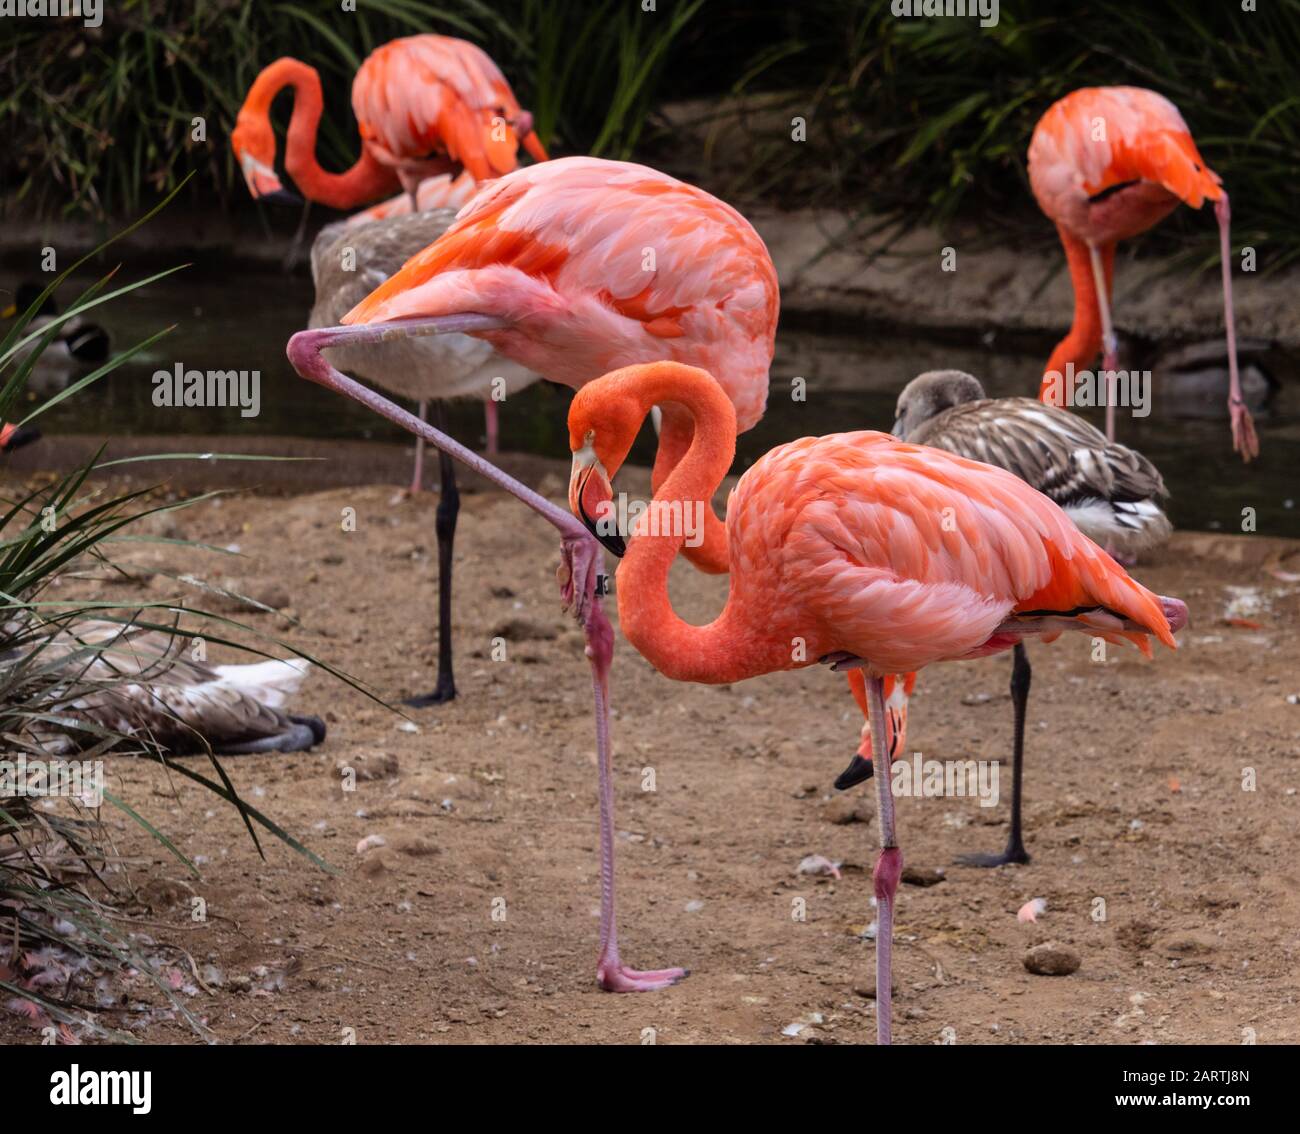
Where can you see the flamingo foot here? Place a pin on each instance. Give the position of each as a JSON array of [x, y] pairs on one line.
[[859, 769], [617, 977], [1244, 439], [579, 574]]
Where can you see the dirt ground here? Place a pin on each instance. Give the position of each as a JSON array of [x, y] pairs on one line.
[[477, 921]]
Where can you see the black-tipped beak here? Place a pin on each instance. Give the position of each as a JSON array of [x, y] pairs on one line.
[[613, 543], [859, 769], [281, 197], [23, 435]]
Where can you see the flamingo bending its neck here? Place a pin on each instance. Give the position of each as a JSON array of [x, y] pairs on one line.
[[841, 552], [572, 268], [1107, 163], [425, 105]]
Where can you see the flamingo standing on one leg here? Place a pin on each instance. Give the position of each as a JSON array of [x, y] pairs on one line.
[[1112, 493], [1106, 163], [425, 105], [347, 263], [840, 552], [571, 268]]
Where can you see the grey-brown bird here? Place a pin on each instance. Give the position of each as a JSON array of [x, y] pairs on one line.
[[348, 261], [141, 683], [1111, 492]]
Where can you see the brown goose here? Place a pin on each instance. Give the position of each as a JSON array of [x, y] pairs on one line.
[[1111, 492], [139, 682], [348, 261]]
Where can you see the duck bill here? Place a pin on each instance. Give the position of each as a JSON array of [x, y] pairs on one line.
[[591, 499]]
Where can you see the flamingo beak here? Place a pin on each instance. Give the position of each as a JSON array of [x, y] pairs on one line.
[[263, 183], [523, 126], [591, 499]]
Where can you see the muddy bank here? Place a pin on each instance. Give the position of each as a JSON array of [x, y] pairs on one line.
[[488, 805]]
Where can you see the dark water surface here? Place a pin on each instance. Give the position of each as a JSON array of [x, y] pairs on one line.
[[241, 321]]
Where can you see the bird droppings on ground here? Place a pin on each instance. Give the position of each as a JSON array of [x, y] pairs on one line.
[[507, 874]]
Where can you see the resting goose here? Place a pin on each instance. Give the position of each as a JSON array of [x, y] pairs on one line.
[[183, 705]]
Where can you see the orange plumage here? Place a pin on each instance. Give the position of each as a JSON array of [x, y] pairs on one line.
[[425, 105]]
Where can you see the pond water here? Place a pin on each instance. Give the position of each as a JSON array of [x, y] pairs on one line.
[[852, 383]]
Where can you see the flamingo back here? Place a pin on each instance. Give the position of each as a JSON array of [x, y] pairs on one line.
[[906, 555], [602, 264], [1097, 138], [432, 94], [350, 260]]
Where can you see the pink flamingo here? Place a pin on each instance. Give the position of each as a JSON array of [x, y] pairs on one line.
[[1107, 163], [572, 268], [856, 550], [425, 105]]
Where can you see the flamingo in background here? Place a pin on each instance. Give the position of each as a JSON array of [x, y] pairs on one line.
[[571, 268], [1111, 493], [840, 554], [426, 105], [1107, 163]]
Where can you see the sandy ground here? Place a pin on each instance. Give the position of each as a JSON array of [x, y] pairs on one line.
[[476, 922]]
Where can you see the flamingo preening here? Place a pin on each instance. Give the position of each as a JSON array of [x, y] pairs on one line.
[[1111, 493], [572, 268], [425, 105], [1107, 163], [856, 550]]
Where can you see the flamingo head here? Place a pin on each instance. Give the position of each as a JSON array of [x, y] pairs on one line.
[[253, 141], [601, 431]]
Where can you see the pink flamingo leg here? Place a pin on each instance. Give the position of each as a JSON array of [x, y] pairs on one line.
[[1244, 440], [579, 578], [889, 865], [1109, 344], [417, 474], [613, 975], [492, 425]]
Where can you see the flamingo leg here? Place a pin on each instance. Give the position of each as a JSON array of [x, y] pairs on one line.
[[578, 574], [491, 422], [612, 974], [1109, 344], [889, 865], [1244, 440], [417, 473], [1015, 851], [444, 689]]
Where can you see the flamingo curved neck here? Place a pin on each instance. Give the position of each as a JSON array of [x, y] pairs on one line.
[[718, 652], [1081, 346], [365, 181], [675, 434]]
